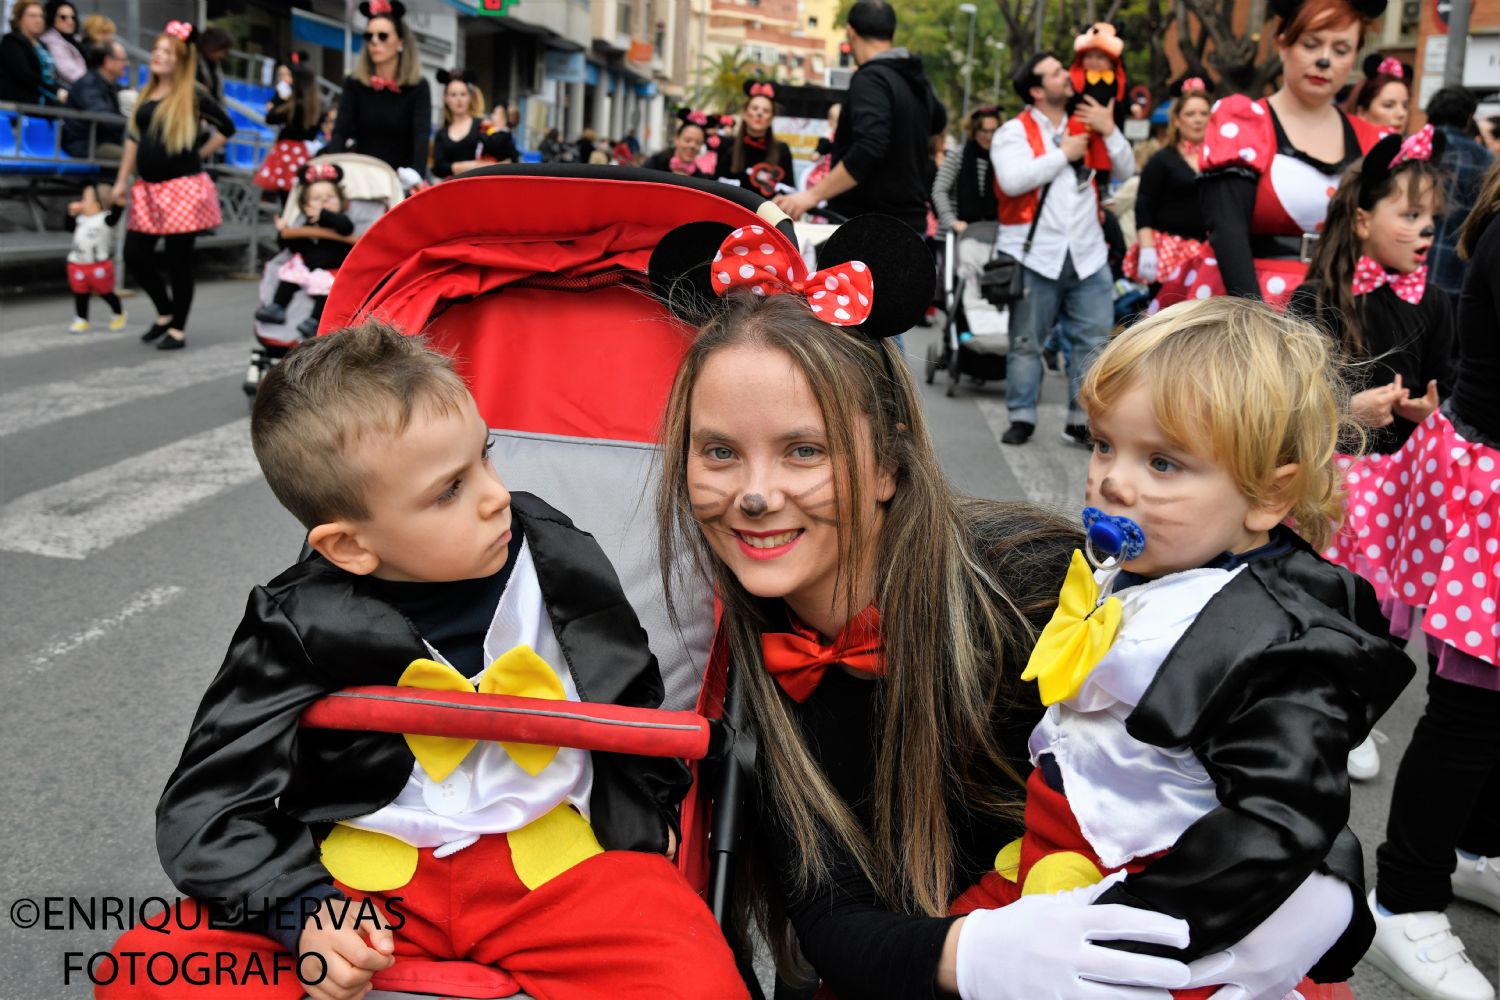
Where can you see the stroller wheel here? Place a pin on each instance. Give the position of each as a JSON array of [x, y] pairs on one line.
[[934, 358]]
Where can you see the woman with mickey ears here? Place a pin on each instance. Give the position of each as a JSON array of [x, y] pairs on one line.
[[1269, 166], [687, 145], [1384, 99], [877, 624], [385, 110], [456, 145], [298, 109], [173, 197], [754, 157]]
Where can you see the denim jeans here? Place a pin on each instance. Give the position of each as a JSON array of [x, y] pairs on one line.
[[1085, 307]]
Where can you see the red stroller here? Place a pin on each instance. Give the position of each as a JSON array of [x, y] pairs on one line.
[[534, 278]]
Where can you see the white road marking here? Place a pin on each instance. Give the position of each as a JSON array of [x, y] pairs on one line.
[[1052, 476], [76, 518], [52, 337], [41, 404], [99, 627]]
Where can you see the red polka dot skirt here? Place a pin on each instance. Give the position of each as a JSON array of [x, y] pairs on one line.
[[1171, 253], [283, 163], [181, 205], [1198, 278], [1422, 527]]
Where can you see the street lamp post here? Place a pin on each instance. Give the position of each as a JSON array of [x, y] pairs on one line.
[[972, 11], [999, 48]]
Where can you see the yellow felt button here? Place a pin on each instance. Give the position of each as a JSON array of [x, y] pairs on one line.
[[1008, 861], [550, 845], [523, 674], [438, 755], [1060, 872], [1077, 637], [368, 861]]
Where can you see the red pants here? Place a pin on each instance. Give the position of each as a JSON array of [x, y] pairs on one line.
[[620, 924], [1051, 828]]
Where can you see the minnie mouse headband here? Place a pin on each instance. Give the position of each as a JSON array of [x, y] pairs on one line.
[[690, 117], [1193, 85], [1391, 152], [760, 88], [1377, 65], [1367, 9], [447, 76], [875, 273], [315, 172], [393, 9], [183, 31]]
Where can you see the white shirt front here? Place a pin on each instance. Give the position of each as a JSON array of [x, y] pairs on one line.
[[93, 240], [489, 792], [1070, 217]]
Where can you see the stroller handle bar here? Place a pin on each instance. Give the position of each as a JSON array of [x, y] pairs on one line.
[[542, 721]]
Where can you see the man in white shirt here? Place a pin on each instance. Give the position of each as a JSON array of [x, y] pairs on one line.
[[1066, 271]]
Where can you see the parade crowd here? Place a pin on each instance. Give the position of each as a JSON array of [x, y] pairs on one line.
[[1280, 329]]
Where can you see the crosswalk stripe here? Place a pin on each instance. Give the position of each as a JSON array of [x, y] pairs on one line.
[[1051, 477], [72, 519], [51, 338], [99, 627], [37, 405]]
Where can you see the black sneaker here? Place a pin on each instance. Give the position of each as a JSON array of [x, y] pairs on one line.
[[1019, 432], [272, 313], [308, 327], [154, 332], [1078, 434]]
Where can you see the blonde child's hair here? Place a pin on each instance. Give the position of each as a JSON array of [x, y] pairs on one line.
[[1255, 390], [313, 409]]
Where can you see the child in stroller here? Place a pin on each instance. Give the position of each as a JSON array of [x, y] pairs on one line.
[[318, 247]]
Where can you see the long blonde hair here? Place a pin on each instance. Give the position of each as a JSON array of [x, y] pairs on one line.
[[408, 60], [1253, 389], [175, 123], [952, 637]]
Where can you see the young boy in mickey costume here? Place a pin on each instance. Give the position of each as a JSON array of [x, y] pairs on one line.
[[426, 572], [1097, 72]]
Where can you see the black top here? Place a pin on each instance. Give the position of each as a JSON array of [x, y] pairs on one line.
[[447, 151], [393, 127], [765, 149], [153, 162], [21, 71], [1413, 341], [292, 129], [1166, 200], [92, 92], [324, 254], [1476, 390], [663, 161], [883, 140]]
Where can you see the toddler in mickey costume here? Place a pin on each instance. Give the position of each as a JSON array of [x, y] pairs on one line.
[[91, 264], [1206, 683]]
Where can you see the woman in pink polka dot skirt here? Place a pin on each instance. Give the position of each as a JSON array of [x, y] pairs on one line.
[[298, 109], [1270, 166]]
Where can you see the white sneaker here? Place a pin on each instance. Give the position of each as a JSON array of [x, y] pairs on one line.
[[1478, 881], [79, 326], [1364, 760], [1423, 955]]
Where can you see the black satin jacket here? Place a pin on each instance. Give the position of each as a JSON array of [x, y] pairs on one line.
[[1283, 673], [238, 823]]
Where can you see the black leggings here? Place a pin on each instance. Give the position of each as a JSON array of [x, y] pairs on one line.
[[81, 301], [140, 257], [1447, 795]]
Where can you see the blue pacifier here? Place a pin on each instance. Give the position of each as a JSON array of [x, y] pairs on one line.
[[1119, 538]]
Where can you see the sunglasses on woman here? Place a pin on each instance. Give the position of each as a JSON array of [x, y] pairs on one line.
[[377, 36]]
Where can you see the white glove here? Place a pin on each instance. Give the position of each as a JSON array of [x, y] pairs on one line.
[[1043, 948], [1145, 265], [1266, 963], [409, 177]]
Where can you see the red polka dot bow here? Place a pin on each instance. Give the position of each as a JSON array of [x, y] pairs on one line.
[[381, 83], [1417, 146], [751, 257], [1369, 275], [1391, 66], [180, 30], [380, 8]]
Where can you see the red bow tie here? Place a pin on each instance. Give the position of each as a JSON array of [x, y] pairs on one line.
[[767, 263], [681, 166], [381, 83], [1369, 275], [798, 661]]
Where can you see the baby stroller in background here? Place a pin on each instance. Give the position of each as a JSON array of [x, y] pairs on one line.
[[372, 188], [975, 338], [533, 277]]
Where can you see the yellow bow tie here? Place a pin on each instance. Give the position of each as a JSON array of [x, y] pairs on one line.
[[519, 672], [1077, 637], [1099, 75]]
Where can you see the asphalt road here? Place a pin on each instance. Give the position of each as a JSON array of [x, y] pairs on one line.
[[133, 523]]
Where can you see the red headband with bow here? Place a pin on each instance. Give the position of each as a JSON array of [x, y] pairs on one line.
[[315, 172], [1391, 66], [1194, 85], [180, 30], [380, 8], [762, 90], [764, 261]]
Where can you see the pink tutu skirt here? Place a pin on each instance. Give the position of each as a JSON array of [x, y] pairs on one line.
[[1421, 526]]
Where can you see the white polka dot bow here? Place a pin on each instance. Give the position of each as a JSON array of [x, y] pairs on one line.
[[751, 257], [1417, 146], [1369, 275]]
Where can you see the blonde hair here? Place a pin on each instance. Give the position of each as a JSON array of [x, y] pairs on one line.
[[314, 408], [1232, 379], [175, 122], [476, 101], [952, 637], [97, 27], [408, 60], [1175, 112]]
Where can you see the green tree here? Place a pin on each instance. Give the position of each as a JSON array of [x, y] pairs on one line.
[[721, 81]]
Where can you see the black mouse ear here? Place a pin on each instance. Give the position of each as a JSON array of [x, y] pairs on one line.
[[679, 269], [902, 271]]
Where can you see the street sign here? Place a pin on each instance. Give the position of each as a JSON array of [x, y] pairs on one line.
[[1441, 8], [495, 8]]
